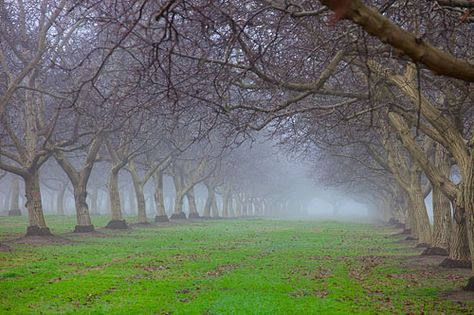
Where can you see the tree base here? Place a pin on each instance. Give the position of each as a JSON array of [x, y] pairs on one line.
[[35, 230], [411, 238], [470, 285], [453, 263], [406, 232], [400, 226], [435, 251], [117, 225], [178, 216], [162, 218], [216, 218], [393, 221], [194, 216], [84, 228], [206, 218], [422, 245], [14, 213]]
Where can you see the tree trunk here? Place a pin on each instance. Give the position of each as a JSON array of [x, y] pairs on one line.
[[94, 202], [15, 193], [193, 213], [420, 215], [140, 196], [117, 221], [60, 199], [209, 202], [14, 206], [36, 222], [84, 223], [178, 213], [225, 203], [161, 215], [214, 208], [468, 190], [459, 254]]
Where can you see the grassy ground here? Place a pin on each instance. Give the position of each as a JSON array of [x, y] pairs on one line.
[[221, 267]]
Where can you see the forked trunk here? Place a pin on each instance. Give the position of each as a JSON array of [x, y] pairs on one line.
[[209, 202], [36, 222], [193, 213], [178, 213], [84, 223]]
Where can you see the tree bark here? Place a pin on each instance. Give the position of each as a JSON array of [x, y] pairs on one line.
[[84, 223], [36, 223], [117, 221], [60, 199], [193, 213], [161, 215], [209, 202], [441, 204]]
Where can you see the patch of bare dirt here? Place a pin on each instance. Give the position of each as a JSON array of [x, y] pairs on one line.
[[458, 295], [42, 240], [87, 234], [364, 266], [5, 248], [220, 270]]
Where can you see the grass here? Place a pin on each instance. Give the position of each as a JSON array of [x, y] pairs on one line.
[[219, 267]]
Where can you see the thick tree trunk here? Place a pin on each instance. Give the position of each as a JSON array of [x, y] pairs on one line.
[[459, 254], [441, 206], [178, 213], [161, 215], [468, 191], [420, 216], [225, 203], [36, 222], [84, 223], [193, 213], [214, 208], [209, 202], [14, 209], [117, 221], [140, 196]]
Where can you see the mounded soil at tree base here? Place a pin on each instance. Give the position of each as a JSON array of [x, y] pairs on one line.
[[194, 216], [35, 230], [117, 225], [178, 216], [42, 240], [435, 251], [84, 228], [452, 263], [411, 238], [422, 245], [14, 212], [162, 218], [470, 285], [393, 221]]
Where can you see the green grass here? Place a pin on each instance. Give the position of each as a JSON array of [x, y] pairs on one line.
[[219, 267]]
